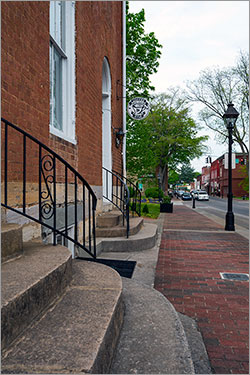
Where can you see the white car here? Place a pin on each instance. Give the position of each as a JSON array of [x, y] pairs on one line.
[[202, 195]]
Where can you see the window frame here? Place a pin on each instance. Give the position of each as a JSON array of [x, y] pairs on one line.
[[67, 54]]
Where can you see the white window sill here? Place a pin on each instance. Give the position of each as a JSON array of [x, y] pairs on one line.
[[61, 135]]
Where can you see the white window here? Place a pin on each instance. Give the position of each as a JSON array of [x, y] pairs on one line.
[[62, 69]]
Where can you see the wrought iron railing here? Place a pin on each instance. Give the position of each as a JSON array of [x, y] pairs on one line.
[[35, 176], [116, 191], [134, 194]]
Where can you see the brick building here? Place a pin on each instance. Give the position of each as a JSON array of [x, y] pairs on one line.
[[214, 175], [215, 178], [63, 72], [238, 175], [205, 179]]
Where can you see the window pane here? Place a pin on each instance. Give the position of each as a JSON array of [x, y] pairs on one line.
[[56, 24], [55, 89]]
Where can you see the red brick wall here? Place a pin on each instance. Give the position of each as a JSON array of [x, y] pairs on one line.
[[25, 81], [237, 177], [98, 30], [25, 77]]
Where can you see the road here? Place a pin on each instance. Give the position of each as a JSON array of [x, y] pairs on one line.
[[218, 207]]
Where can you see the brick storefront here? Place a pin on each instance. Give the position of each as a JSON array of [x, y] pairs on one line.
[[26, 82]]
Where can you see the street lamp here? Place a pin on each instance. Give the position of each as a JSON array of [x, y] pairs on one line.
[[230, 117]]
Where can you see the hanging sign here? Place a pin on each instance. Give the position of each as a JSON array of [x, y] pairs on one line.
[[138, 108], [226, 160]]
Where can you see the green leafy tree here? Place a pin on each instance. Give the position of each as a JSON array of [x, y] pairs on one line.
[[245, 182], [173, 177], [187, 173], [142, 55], [166, 138], [215, 88]]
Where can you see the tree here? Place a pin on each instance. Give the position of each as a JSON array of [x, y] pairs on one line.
[[142, 55], [173, 177], [187, 173], [166, 138], [215, 88]]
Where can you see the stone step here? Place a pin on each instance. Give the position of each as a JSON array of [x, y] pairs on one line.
[[30, 284], [109, 219], [144, 239], [152, 340], [79, 333], [135, 224], [11, 241]]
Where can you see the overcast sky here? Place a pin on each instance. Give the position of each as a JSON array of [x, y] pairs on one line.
[[195, 35]]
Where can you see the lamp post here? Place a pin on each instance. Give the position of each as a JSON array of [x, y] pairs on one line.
[[230, 117]]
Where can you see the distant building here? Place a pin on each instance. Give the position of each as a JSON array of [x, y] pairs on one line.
[[237, 175], [205, 179], [214, 179]]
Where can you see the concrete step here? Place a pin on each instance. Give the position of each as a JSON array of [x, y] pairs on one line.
[[11, 241], [109, 219], [135, 224], [144, 239], [152, 339], [79, 333], [30, 284], [197, 347]]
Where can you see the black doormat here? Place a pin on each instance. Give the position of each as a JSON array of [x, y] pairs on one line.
[[125, 268]]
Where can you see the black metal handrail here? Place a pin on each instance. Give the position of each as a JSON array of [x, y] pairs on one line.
[[135, 195], [116, 191], [54, 177]]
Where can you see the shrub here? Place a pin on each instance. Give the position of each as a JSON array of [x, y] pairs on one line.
[[145, 209], [166, 199], [131, 191], [153, 193]]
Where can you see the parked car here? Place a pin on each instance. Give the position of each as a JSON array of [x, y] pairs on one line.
[[180, 193], [202, 195], [186, 197]]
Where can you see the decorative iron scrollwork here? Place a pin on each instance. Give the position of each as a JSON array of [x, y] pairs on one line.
[[47, 206]]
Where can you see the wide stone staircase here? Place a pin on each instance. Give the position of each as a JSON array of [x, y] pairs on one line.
[[111, 234], [64, 315], [58, 315]]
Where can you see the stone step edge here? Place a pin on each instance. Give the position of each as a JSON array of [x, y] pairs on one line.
[[138, 242], [105, 336], [119, 231], [109, 219], [11, 241], [18, 313], [162, 344]]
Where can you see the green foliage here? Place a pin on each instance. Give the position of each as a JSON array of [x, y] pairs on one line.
[[154, 210], [166, 199], [173, 177], [166, 138], [142, 55], [245, 182], [131, 191], [187, 173], [145, 209], [153, 193]]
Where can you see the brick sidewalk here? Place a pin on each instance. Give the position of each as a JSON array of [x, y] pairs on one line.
[[187, 273]]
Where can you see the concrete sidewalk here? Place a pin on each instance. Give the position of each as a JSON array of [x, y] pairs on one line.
[[155, 339], [193, 251]]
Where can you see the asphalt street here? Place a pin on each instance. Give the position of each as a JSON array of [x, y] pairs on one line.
[[218, 207]]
